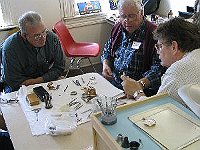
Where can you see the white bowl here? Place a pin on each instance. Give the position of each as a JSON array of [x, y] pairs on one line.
[[190, 94]]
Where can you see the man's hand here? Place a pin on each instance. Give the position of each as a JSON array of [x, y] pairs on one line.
[[107, 72], [130, 86], [32, 81]]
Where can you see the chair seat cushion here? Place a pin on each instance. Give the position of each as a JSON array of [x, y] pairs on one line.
[[84, 49]]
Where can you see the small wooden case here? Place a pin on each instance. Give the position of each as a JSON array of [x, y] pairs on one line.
[[32, 99]]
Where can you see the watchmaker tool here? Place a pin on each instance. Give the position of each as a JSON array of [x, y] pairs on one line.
[[70, 103], [77, 118], [76, 82], [120, 139], [8, 101], [149, 122], [92, 78], [109, 116], [73, 93], [134, 145], [82, 80], [47, 99], [78, 106], [89, 93], [36, 111], [65, 88], [125, 143], [52, 87], [86, 111]]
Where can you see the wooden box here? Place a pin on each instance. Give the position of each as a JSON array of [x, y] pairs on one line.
[[104, 136]]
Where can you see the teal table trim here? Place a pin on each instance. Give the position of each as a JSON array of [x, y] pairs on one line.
[[127, 128]]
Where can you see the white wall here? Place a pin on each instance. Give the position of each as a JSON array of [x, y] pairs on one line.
[[3, 35], [49, 9], [174, 5]]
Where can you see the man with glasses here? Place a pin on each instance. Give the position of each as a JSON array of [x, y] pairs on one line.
[[130, 49], [32, 55], [178, 47]]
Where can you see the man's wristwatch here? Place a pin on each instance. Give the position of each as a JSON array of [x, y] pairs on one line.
[[137, 93]]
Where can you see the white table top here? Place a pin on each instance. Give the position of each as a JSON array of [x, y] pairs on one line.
[[81, 139]]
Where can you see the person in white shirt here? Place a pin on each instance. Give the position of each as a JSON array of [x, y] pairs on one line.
[[178, 47]]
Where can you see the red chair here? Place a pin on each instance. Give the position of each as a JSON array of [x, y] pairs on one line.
[[75, 50]]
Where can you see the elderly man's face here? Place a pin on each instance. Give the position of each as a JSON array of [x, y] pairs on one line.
[[131, 17], [36, 34]]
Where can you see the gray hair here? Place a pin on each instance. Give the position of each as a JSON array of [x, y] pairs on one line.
[[137, 3], [31, 17], [185, 33]]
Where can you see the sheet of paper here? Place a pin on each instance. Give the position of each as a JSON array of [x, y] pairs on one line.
[[174, 129], [62, 97]]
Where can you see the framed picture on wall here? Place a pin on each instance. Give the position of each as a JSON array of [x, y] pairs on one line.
[[113, 4], [89, 7]]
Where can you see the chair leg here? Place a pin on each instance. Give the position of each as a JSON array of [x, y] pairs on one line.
[[73, 60], [78, 64], [92, 65], [67, 73], [72, 66]]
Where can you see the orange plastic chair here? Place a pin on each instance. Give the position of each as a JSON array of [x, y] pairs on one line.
[[75, 50]]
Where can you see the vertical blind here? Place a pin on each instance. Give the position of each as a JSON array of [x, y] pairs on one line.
[[67, 8], [6, 16]]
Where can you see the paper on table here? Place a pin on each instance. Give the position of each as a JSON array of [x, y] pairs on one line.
[[61, 97], [169, 120]]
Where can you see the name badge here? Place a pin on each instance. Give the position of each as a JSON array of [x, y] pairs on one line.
[[136, 45]]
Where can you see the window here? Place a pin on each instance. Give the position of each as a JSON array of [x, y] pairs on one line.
[[104, 5], [70, 8], [177, 6], [1, 17], [5, 13], [70, 13]]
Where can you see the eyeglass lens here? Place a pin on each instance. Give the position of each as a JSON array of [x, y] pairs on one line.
[[43, 34], [130, 16]]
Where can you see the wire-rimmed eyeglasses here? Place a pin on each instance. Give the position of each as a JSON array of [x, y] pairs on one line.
[[131, 17], [159, 46], [39, 36]]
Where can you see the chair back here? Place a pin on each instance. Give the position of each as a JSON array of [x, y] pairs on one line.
[[64, 36]]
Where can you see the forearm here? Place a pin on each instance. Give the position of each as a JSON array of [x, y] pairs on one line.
[[154, 73], [57, 67], [38, 80], [33, 81], [53, 74], [106, 51], [106, 62]]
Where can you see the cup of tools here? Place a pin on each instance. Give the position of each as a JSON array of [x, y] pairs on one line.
[[109, 116]]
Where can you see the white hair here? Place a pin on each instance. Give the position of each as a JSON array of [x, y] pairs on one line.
[[137, 3], [30, 17]]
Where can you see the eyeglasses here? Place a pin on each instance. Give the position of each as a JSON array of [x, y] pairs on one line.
[[130, 17], [159, 46], [39, 36]]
